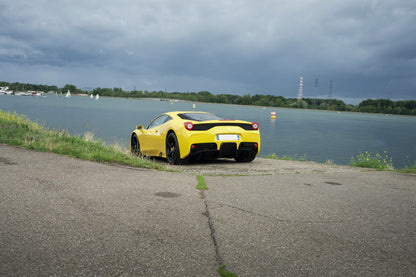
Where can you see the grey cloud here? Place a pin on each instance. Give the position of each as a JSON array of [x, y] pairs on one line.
[[365, 47]]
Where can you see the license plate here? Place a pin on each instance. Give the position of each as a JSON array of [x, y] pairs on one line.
[[228, 137]]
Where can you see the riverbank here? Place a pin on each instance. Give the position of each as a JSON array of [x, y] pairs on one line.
[[316, 136], [20, 131]]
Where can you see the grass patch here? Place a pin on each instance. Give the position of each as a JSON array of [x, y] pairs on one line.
[[409, 169], [286, 158], [366, 160], [18, 130], [201, 183], [377, 161], [224, 273]]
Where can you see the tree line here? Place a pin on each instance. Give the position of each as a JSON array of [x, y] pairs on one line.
[[385, 106]]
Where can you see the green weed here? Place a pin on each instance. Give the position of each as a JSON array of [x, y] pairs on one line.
[[224, 273], [201, 183], [409, 169], [377, 161], [286, 158]]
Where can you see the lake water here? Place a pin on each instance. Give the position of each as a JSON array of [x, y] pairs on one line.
[[313, 135]]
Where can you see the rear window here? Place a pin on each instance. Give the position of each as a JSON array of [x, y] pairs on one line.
[[199, 116]]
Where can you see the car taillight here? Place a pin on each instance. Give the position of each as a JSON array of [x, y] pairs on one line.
[[189, 125], [255, 126]]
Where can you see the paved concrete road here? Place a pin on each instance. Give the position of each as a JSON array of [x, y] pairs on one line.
[[334, 224], [64, 216], [260, 166]]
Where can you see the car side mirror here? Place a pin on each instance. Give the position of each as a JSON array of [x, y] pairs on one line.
[[139, 127]]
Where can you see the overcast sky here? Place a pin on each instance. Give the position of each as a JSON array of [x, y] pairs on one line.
[[366, 47]]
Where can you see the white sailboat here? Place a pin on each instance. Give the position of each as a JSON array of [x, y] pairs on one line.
[[97, 97], [68, 94], [91, 96]]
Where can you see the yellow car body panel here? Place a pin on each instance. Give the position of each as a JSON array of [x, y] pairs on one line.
[[153, 140]]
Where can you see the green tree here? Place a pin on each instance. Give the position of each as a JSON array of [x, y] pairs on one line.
[[205, 96], [69, 87]]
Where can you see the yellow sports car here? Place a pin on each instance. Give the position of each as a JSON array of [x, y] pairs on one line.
[[180, 136]]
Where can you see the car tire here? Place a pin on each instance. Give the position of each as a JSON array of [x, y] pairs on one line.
[[245, 156], [173, 154], [135, 145]]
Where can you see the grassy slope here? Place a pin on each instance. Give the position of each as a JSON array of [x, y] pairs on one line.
[[20, 131]]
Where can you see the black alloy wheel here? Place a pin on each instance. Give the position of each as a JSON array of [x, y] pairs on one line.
[[172, 149], [135, 145]]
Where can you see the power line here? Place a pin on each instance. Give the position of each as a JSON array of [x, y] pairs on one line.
[[330, 92], [316, 92]]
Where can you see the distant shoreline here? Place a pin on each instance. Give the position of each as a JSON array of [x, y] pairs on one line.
[[370, 106], [266, 107]]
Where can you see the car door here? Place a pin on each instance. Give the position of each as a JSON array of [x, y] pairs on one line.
[[154, 139]]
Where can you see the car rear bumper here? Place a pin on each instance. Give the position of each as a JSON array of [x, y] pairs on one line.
[[223, 149], [219, 142]]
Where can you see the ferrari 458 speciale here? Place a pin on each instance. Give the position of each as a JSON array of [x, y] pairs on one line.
[[180, 136]]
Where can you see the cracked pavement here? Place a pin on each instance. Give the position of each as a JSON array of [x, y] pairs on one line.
[[65, 216]]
